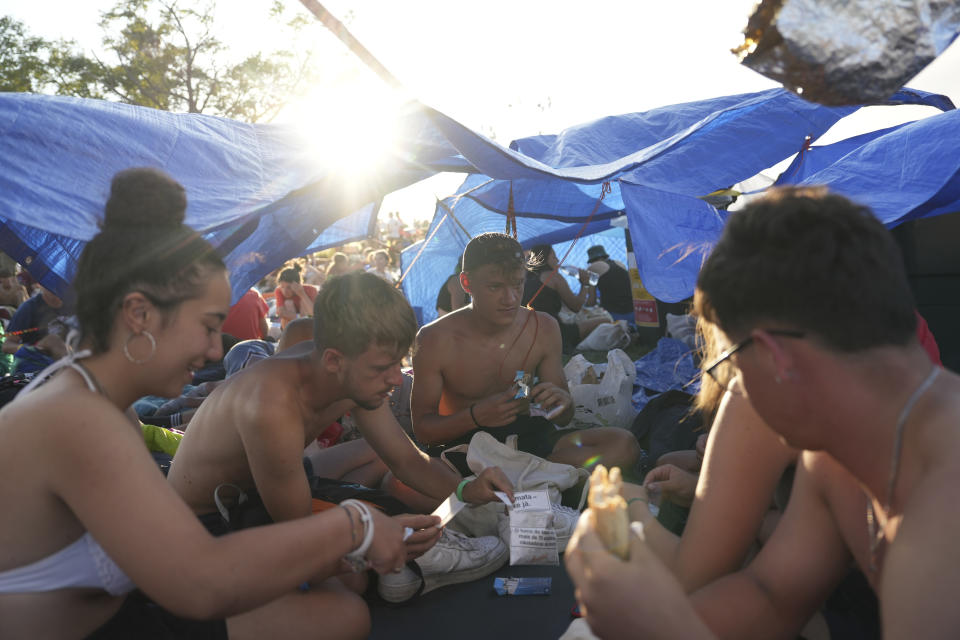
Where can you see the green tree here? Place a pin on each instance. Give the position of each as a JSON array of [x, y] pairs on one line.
[[168, 57], [33, 64]]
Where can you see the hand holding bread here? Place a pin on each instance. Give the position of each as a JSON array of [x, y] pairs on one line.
[[609, 511]]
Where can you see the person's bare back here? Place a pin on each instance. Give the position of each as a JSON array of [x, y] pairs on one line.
[[251, 432], [267, 402]]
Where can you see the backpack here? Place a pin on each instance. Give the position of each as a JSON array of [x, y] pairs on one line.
[[666, 424]]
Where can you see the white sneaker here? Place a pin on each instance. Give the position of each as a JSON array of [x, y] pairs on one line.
[[564, 522], [454, 558]]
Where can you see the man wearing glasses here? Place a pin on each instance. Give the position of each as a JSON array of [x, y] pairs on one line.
[[810, 291]]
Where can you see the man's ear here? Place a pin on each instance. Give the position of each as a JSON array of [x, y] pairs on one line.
[[465, 281], [781, 358], [332, 360], [136, 311]]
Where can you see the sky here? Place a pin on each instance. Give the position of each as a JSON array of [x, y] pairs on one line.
[[506, 68]]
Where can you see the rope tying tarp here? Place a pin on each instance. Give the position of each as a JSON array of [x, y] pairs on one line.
[[605, 189]]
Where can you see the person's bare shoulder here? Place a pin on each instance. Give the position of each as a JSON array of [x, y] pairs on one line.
[[77, 420], [436, 337], [548, 331], [268, 388]]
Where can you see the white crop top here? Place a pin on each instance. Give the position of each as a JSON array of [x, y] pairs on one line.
[[82, 563]]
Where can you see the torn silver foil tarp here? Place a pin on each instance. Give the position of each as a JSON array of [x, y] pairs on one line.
[[844, 52]]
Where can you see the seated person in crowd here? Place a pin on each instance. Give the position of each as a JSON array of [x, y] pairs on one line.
[[247, 319], [313, 274], [734, 506], [96, 544], [294, 300], [251, 432], [465, 362], [547, 291], [451, 295], [339, 266], [12, 293], [875, 418], [29, 337], [380, 266], [614, 290], [245, 353]]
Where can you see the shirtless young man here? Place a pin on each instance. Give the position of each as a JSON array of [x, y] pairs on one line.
[[465, 363], [252, 430], [810, 290]]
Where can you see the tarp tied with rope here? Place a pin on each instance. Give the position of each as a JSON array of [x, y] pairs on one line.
[[260, 195], [668, 158]]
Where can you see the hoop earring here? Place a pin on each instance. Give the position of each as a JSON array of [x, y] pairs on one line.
[[153, 347]]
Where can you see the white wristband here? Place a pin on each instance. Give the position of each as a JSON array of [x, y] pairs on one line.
[[357, 557]]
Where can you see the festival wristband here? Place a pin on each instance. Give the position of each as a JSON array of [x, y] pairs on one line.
[[460, 487]]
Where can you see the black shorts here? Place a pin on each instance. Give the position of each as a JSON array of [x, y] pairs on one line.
[[141, 618]]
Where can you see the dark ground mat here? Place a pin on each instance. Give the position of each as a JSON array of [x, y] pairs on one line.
[[474, 611]]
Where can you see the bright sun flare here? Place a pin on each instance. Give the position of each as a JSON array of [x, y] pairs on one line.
[[351, 128]]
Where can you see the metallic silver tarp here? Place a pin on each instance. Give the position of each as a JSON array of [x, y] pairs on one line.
[[841, 52]]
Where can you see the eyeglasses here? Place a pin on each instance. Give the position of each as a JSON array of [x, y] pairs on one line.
[[711, 369]]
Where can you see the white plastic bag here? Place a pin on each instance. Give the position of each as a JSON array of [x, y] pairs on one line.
[[613, 335], [576, 368], [592, 313], [610, 402]]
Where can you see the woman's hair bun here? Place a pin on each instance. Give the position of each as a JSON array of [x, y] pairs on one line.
[[144, 197]]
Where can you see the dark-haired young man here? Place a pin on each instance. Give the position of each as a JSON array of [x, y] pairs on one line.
[[252, 430], [465, 363], [810, 291], [294, 299], [614, 290]]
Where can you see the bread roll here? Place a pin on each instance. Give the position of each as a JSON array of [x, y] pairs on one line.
[[610, 510]]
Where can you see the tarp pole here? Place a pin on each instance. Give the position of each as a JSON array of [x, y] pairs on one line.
[[343, 34]]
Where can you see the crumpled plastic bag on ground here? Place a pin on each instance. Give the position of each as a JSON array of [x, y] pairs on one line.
[[609, 402]]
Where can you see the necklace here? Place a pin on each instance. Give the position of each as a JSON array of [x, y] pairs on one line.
[[873, 531]]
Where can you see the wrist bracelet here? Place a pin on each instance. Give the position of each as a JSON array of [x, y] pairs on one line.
[[353, 531], [473, 417], [357, 557], [632, 500], [460, 487]]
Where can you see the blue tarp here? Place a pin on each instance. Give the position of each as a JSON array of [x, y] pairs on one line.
[[902, 173], [260, 195], [667, 158], [670, 365], [256, 191]]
